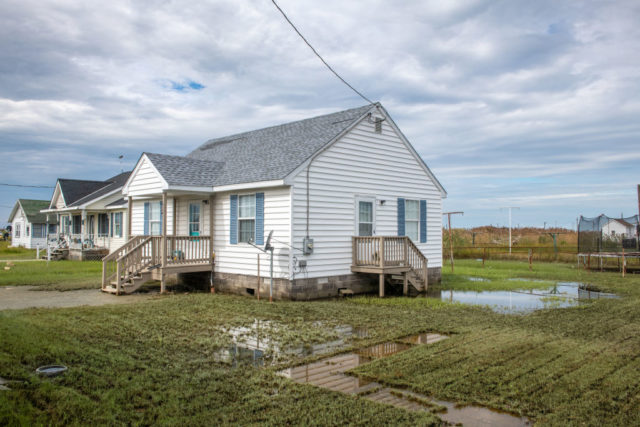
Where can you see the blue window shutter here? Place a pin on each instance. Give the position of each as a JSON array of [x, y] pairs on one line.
[[259, 218], [146, 218], [401, 231], [233, 215], [423, 221], [111, 226]]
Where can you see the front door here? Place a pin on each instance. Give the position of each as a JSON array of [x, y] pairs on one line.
[[365, 216]]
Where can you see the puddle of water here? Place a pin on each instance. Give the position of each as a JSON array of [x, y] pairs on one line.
[[477, 279], [562, 294], [330, 373], [252, 345]]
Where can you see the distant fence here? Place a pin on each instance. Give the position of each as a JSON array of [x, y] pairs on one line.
[[522, 253]]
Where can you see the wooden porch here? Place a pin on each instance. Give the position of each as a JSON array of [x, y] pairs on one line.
[[393, 258], [145, 258]]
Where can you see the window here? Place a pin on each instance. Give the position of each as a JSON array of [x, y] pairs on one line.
[[412, 219], [76, 224], [103, 225], [52, 228], [116, 227], [28, 231], [39, 231], [247, 218], [16, 233], [155, 218], [194, 219], [365, 218]]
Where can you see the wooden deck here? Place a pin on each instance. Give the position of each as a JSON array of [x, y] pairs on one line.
[[389, 256], [145, 258]]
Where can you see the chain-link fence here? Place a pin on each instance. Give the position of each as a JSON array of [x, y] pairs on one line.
[[607, 234]]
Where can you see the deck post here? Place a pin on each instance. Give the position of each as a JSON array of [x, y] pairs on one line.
[[354, 248], [405, 284], [211, 253], [381, 291], [426, 274], [104, 273], [406, 250], [163, 248], [381, 252]]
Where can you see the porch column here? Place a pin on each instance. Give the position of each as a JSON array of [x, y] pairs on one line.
[[381, 290], [129, 207], [83, 227], [163, 248], [211, 259]]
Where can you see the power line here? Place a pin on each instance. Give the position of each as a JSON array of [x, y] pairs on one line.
[[25, 186], [318, 55]]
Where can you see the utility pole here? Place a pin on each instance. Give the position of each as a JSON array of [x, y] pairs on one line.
[[510, 207], [448, 214]]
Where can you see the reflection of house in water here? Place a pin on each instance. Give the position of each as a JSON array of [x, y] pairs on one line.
[[258, 345]]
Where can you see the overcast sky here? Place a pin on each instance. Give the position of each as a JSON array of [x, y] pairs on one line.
[[534, 104]]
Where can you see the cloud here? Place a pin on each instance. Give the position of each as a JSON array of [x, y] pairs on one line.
[[500, 98]]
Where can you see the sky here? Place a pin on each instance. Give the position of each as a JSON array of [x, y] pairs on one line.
[[530, 104]]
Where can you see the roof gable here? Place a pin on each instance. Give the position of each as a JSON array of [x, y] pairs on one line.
[[31, 210]]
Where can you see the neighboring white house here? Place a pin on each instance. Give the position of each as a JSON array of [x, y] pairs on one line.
[[618, 228], [328, 188], [92, 215], [29, 227]]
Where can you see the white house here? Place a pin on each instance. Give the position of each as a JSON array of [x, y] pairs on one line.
[[29, 227], [350, 203], [91, 214], [618, 228]]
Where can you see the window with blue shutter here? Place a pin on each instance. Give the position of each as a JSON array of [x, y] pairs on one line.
[[423, 221], [233, 215], [259, 218], [400, 217], [152, 218]]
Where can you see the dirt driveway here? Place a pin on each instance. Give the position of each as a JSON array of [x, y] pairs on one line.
[[18, 297]]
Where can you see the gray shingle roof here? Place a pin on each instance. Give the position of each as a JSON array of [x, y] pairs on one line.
[[75, 189], [177, 170], [266, 154], [107, 186], [118, 203]]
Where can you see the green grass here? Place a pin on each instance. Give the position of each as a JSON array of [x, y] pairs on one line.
[[155, 362], [7, 252], [53, 275]]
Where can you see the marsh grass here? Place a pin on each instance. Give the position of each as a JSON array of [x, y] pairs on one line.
[[10, 253], [155, 362], [53, 275]]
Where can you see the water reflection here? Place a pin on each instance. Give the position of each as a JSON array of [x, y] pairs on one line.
[[561, 294]]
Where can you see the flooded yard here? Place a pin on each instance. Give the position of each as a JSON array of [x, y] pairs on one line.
[[559, 295]]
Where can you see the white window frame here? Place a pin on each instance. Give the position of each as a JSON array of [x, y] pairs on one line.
[[16, 231], [117, 224], [199, 222], [366, 199], [155, 220], [247, 218], [417, 220]]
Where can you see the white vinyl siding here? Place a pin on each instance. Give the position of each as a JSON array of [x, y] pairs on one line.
[[362, 163], [145, 180], [242, 258]]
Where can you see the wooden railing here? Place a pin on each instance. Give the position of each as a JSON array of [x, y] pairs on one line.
[[389, 251], [109, 262], [188, 250], [145, 252]]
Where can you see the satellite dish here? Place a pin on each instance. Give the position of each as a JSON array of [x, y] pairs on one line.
[[267, 245]]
